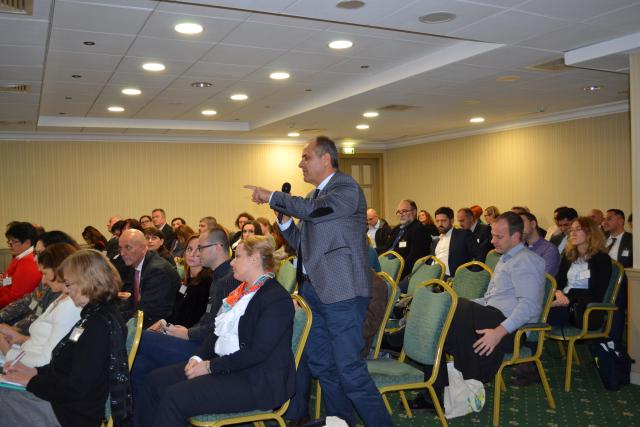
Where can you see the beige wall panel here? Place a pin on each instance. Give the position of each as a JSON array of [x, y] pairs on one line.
[[581, 163], [68, 185]]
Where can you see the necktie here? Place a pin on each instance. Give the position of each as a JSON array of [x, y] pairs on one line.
[[397, 239], [613, 242], [136, 286]]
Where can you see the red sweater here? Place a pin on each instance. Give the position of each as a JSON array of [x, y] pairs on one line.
[[25, 276]]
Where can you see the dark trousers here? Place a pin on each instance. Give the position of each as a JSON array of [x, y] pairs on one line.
[[299, 404], [619, 316], [169, 398], [333, 352], [156, 351]]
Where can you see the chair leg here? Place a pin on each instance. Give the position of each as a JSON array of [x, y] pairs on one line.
[[318, 398], [575, 356], [436, 403], [545, 384], [405, 404], [567, 377], [561, 348], [387, 405], [496, 397]]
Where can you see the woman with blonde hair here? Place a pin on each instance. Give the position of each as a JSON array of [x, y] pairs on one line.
[[585, 270], [490, 214]]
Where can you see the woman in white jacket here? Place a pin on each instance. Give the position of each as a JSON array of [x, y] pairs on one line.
[[52, 325]]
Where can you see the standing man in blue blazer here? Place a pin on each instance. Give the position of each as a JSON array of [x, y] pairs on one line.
[[334, 279]]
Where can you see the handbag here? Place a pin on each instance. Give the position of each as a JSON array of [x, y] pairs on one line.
[[613, 364], [462, 396]]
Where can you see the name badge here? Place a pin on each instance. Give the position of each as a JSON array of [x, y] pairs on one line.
[[39, 310], [6, 281], [586, 274], [76, 333], [33, 305], [402, 244], [208, 308], [625, 252], [183, 289]]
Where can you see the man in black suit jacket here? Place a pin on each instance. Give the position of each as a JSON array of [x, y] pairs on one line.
[[563, 218], [455, 246], [620, 245], [153, 282], [409, 238], [159, 219], [481, 232]]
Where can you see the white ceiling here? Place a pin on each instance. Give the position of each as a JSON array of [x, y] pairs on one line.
[[447, 72]]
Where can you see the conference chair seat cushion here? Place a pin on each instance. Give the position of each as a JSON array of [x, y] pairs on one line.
[[524, 352], [386, 372], [216, 417]]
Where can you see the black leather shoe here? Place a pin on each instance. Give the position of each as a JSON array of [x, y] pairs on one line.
[[421, 403]]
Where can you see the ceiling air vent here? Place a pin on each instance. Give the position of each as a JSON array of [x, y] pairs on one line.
[[15, 88], [23, 7], [312, 130], [555, 66], [396, 107]]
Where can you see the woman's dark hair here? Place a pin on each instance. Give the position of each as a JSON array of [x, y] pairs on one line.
[[243, 214], [257, 230], [183, 234], [48, 238], [152, 231], [95, 238], [22, 231], [54, 254], [144, 216]]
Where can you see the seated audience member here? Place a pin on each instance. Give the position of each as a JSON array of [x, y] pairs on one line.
[[250, 349], [563, 218], [165, 345], [597, 215], [87, 365], [265, 226], [524, 209], [583, 277], [193, 296], [283, 248], [22, 275], [159, 219], [481, 232], [145, 221], [56, 321], [151, 281], [23, 312], [206, 223], [454, 246], [183, 233], [155, 242], [112, 244], [378, 230], [554, 230], [490, 214], [241, 220], [94, 238], [409, 238], [483, 330], [251, 228], [534, 241], [177, 222], [620, 246], [427, 222], [477, 212]]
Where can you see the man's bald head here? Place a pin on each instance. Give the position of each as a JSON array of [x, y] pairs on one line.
[[372, 217], [133, 246], [112, 221]]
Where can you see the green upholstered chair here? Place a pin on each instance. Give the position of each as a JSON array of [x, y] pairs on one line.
[[287, 275], [571, 334], [427, 325], [301, 327], [425, 269], [392, 263], [524, 354], [471, 280], [492, 259]]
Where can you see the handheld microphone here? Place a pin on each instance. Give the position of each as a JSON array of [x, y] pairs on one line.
[[286, 188]]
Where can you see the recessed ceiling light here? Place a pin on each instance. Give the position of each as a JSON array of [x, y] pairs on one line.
[[76, 76], [340, 44], [350, 4], [476, 120], [507, 79], [131, 91], [371, 114], [188, 28], [153, 66], [88, 43], [201, 84], [279, 75], [239, 97], [115, 109], [592, 88], [293, 134], [362, 127], [437, 17], [208, 112]]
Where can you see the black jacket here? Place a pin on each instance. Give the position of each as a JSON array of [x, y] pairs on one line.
[[482, 234], [463, 248], [413, 245], [191, 304]]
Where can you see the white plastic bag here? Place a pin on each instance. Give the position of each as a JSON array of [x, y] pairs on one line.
[[462, 396]]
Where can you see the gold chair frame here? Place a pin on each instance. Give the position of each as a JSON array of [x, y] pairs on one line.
[[399, 257]]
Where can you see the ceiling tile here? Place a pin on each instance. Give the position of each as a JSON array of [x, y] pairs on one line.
[[568, 38], [99, 17], [208, 71], [141, 80], [59, 60], [573, 10], [133, 64], [267, 36], [372, 11], [511, 57], [176, 50], [295, 60], [242, 55], [72, 40], [15, 31], [22, 56], [20, 74], [624, 21], [161, 25]]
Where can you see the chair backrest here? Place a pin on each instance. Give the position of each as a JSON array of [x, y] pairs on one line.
[[392, 295], [134, 332], [617, 273], [492, 259], [287, 275], [550, 286], [425, 269], [301, 327], [472, 284], [428, 323], [392, 263]]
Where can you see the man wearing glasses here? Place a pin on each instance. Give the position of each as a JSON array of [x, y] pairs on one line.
[[409, 238]]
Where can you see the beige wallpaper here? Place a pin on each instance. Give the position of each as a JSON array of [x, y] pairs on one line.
[[583, 163], [68, 185]]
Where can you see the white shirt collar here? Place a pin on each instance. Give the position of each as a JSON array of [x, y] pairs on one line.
[[325, 182], [25, 253], [473, 227]]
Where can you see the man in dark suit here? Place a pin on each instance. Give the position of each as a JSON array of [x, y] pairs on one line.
[[620, 245], [159, 219], [378, 230], [152, 282], [335, 279], [409, 238], [481, 232], [455, 246], [563, 218]]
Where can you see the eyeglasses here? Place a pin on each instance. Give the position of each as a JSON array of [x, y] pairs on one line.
[[199, 248], [403, 211], [575, 230]]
